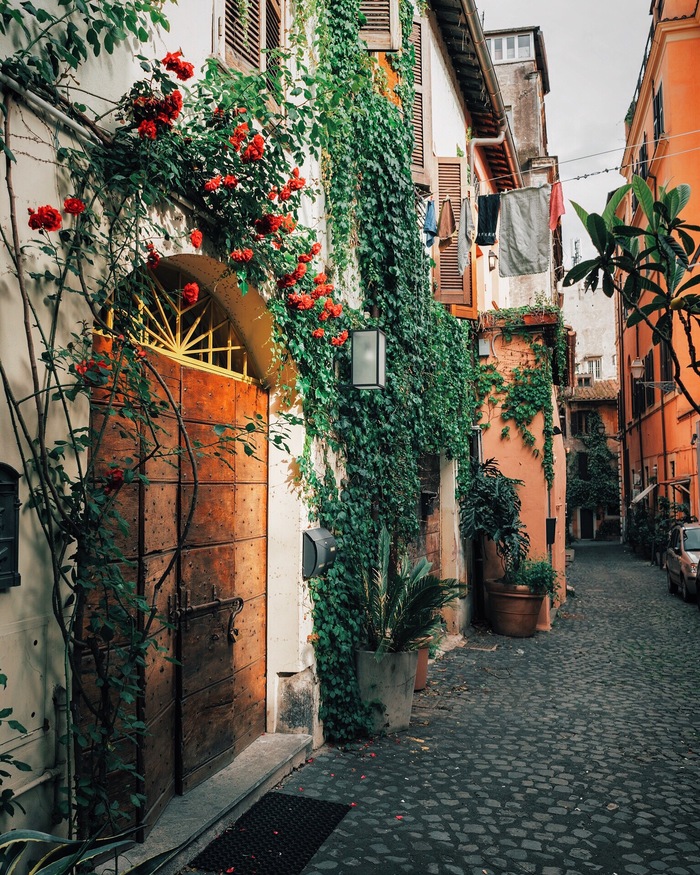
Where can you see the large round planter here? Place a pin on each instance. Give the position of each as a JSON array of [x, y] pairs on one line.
[[387, 685], [513, 610]]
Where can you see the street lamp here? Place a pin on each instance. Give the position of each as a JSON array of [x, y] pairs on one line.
[[637, 369]]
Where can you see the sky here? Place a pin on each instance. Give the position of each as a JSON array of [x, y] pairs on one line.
[[594, 55]]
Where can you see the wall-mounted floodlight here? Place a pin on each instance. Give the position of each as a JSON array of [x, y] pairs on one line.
[[368, 358]]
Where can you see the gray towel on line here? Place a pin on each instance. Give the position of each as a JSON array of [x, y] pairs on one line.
[[464, 235], [524, 244]]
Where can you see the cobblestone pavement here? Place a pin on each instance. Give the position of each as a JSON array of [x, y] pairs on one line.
[[572, 752]]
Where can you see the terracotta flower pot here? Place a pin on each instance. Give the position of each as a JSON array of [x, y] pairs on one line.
[[512, 610], [422, 669]]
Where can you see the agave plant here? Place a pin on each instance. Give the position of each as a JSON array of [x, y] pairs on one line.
[[402, 605], [59, 855]]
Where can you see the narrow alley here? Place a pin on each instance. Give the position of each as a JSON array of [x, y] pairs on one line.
[[571, 752]]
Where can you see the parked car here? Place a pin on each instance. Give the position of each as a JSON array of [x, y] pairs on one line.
[[682, 557]]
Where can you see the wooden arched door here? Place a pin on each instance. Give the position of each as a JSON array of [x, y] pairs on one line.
[[204, 685]]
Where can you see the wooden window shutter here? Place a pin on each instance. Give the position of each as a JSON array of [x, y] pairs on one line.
[[382, 28], [418, 156], [273, 31], [455, 291], [242, 37]]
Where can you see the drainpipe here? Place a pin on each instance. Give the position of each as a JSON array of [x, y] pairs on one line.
[[44, 107], [484, 141], [491, 81]]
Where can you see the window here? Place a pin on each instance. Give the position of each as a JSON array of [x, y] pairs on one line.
[[659, 128], [525, 45], [579, 422], [583, 381], [594, 367], [510, 48], [583, 466], [245, 38], [644, 159], [673, 470]]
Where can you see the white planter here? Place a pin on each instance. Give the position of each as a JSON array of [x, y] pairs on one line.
[[388, 686]]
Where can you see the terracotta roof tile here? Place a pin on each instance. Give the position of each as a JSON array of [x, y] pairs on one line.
[[602, 390]]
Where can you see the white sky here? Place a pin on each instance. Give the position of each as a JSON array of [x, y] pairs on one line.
[[594, 55]]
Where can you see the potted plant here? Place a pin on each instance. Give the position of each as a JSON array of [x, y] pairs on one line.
[[490, 510], [401, 606]]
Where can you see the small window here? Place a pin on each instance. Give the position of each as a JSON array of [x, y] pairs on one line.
[[246, 37], [510, 48], [9, 527], [583, 381], [673, 470], [583, 466], [498, 49], [659, 128], [594, 367], [524, 45]]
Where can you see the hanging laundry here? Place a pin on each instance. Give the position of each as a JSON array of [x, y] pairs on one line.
[[489, 205], [556, 206], [524, 244], [430, 224], [446, 223], [465, 236]]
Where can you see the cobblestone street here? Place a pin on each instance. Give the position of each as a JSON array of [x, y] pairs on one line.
[[572, 752]]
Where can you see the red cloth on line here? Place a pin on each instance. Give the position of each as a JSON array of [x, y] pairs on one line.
[[556, 205]]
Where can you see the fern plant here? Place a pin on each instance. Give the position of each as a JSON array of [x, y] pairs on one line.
[[402, 605]]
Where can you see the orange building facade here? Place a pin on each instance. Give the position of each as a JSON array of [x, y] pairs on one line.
[[660, 431]]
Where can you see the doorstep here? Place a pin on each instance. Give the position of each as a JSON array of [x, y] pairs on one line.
[[229, 793]]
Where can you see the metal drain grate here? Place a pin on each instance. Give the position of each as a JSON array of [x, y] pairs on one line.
[[278, 836]]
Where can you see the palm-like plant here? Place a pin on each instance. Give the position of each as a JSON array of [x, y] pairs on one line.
[[402, 606]]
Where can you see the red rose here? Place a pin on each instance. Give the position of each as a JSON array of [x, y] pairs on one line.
[[306, 302], [190, 293], [237, 137], [153, 257], [213, 183], [74, 206], [320, 278], [170, 106], [340, 339], [318, 332], [241, 255], [305, 258], [316, 248], [299, 271], [115, 480], [196, 238], [293, 299], [254, 150], [323, 315], [296, 182], [82, 368], [269, 224], [337, 310], [182, 69], [273, 193], [288, 224], [286, 281], [329, 305], [285, 193], [230, 181], [47, 218], [147, 129]]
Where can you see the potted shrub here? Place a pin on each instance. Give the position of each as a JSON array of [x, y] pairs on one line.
[[401, 612], [490, 510]]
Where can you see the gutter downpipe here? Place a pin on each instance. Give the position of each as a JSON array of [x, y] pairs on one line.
[[491, 82], [44, 107]]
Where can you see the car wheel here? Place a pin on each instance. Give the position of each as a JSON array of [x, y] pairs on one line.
[[684, 590], [672, 587]]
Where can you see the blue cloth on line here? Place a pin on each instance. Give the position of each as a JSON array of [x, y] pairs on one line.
[[430, 224]]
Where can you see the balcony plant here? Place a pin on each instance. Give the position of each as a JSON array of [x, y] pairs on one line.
[[490, 512], [401, 605]]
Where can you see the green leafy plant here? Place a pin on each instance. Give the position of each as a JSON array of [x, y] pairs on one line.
[[537, 575], [649, 268], [490, 508], [401, 605], [600, 487], [7, 760]]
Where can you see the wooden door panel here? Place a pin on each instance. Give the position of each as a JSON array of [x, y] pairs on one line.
[[210, 467], [207, 721], [208, 397], [250, 518], [160, 510], [206, 653], [205, 567], [213, 521], [250, 641], [249, 687], [248, 726], [159, 677], [159, 763], [251, 568]]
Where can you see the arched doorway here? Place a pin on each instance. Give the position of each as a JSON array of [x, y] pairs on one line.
[[204, 685]]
